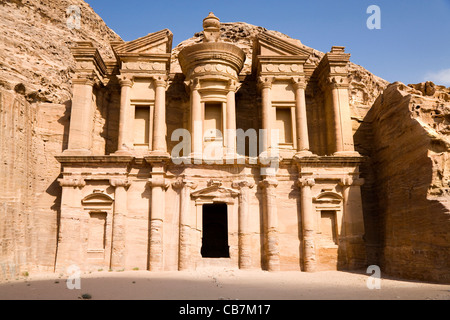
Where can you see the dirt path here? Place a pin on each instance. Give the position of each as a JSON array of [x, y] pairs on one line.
[[225, 284]]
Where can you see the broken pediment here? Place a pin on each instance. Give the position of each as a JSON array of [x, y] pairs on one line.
[[154, 43]]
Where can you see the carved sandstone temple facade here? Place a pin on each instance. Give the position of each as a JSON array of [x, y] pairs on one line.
[[136, 194]]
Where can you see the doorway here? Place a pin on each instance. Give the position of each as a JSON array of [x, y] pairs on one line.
[[215, 231]]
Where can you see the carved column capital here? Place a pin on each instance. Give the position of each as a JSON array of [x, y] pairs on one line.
[[183, 183], [265, 82], [86, 79], [158, 181], [124, 183], [125, 80], [306, 182], [351, 181], [72, 182], [160, 81], [268, 184], [233, 85], [298, 83], [337, 81], [243, 184]]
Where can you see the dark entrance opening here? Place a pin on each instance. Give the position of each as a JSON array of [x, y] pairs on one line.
[[215, 231]]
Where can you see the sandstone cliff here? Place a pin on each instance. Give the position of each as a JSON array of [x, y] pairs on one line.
[[35, 92], [409, 151]]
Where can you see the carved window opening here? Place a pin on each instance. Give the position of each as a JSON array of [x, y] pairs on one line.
[[284, 125], [142, 126], [213, 122], [215, 231], [328, 226], [97, 232]]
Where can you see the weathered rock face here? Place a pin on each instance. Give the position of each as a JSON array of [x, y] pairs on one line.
[[35, 92], [409, 154], [35, 58]]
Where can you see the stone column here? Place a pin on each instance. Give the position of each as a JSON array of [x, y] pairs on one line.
[[69, 241], [271, 228], [119, 223], [301, 118], [185, 258], [339, 142], [353, 222], [231, 120], [196, 120], [81, 119], [265, 84], [245, 241], [159, 120], [307, 214], [125, 141], [157, 210]]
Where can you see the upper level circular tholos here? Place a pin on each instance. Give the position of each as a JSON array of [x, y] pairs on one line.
[[210, 60]]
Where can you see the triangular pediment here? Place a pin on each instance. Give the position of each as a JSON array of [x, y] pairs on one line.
[[215, 191], [154, 43], [271, 45]]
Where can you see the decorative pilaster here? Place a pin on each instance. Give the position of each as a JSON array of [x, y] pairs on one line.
[[196, 120], [265, 84], [231, 119], [81, 118], [119, 225], [354, 230], [157, 209], [334, 79], [301, 117], [185, 261], [159, 120], [307, 214], [271, 226], [125, 141], [245, 244]]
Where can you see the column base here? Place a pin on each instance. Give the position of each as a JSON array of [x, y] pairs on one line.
[[77, 152], [303, 153], [347, 154], [123, 152], [160, 154]]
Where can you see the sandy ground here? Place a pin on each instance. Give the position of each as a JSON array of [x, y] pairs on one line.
[[220, 284]]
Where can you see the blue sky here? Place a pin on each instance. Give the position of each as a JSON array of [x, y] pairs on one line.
[[413, 44]]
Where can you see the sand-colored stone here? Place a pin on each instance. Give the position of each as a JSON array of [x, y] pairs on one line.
[[83, 184]]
